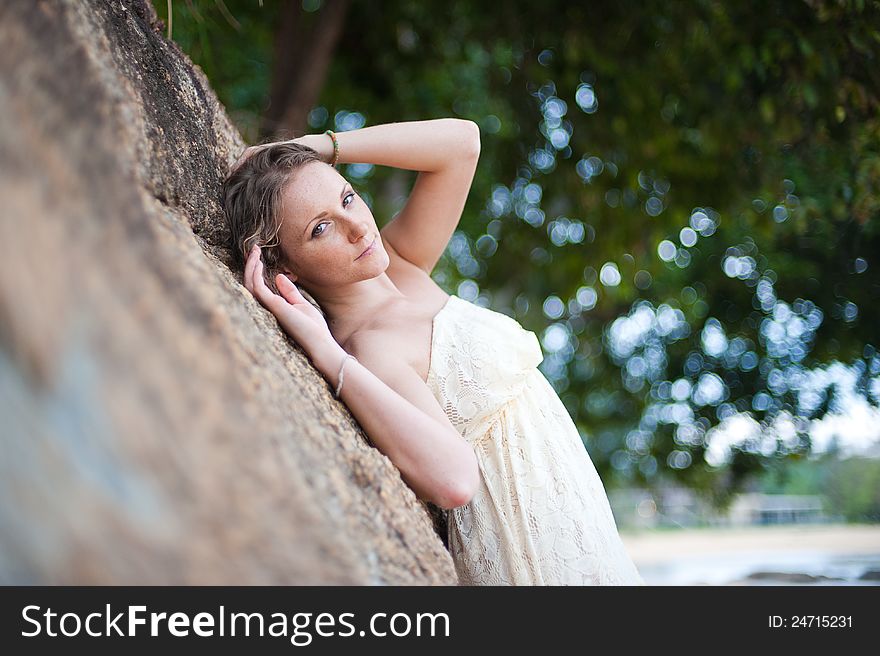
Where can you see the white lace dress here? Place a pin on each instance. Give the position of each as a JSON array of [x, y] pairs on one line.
[[541, 515]]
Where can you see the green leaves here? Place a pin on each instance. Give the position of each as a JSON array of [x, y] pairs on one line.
[[760, 117]]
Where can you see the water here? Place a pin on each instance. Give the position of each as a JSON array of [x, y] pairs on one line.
[[735, 567]]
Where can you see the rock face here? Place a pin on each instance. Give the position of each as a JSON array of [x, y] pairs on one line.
[[157, 425]]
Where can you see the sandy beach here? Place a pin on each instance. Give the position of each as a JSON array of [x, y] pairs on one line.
[[837, 554], [658, 546]]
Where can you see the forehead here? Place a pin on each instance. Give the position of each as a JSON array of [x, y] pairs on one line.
[[310, 190]]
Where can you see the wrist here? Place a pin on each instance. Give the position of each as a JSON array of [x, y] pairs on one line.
[[327, 360], [334, 139], [321, 143]]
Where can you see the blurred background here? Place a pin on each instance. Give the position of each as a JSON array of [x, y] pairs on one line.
[[680, 199]]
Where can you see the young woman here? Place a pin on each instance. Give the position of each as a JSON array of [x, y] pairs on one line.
[[448, 390]]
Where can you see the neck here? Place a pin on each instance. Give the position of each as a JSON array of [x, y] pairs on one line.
[[352, 306]]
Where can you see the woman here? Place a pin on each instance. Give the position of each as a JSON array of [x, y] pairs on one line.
[[448, 390]]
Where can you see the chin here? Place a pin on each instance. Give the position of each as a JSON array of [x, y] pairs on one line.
[[380, 261]]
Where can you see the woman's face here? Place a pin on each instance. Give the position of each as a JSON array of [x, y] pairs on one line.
[[325, 229]]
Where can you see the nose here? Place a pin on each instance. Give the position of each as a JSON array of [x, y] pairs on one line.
[[357, 229]]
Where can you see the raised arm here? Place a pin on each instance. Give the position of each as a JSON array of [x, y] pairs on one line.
[[445, 151]]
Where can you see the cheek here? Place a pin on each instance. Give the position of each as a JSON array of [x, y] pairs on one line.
[[324, 253]]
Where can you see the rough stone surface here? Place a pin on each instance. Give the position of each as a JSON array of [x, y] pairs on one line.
[[157, 425]]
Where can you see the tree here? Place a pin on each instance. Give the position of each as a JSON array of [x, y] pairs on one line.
[[694, 186]]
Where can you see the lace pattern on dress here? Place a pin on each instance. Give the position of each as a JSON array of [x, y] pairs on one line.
[[541, 515]]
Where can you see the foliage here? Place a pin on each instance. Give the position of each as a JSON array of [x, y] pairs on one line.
[[694, 187], [850, 487]]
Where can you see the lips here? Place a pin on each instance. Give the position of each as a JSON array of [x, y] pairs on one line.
[[367, 251]]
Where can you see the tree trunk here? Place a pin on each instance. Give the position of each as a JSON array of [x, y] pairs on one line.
[[158, 427], [303, 53]]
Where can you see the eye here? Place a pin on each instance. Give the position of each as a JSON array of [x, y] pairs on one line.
[[315, 232]]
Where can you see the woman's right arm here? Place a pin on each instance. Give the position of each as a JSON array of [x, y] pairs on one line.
[[389, 399], [403, 419]]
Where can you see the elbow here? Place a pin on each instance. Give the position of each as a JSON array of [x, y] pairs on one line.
[[473, 138], [458, 496], [461, 493]]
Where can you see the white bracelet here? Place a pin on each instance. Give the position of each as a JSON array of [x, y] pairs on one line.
[[342, 373]]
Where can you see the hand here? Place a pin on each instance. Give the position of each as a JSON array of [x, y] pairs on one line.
[[322, 143], [248, 152], [297, 316], [319, 142]]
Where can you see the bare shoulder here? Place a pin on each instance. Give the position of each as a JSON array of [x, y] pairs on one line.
[[378, 352]]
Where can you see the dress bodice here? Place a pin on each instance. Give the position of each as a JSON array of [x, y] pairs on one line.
[[480, 359]]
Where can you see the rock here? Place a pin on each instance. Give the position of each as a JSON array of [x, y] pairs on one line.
[[158, 427], [792, 577]]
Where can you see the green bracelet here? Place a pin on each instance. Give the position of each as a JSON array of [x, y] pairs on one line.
[[335, 147]]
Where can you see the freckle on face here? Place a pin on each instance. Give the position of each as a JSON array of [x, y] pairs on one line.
[[300, 204], [311, 190]]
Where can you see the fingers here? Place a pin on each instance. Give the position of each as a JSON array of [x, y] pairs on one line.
[[288, 290], [246, 277], [246, 153], [249, 266], [256, 284], [250, 151], [252, 275], [266, 296]]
